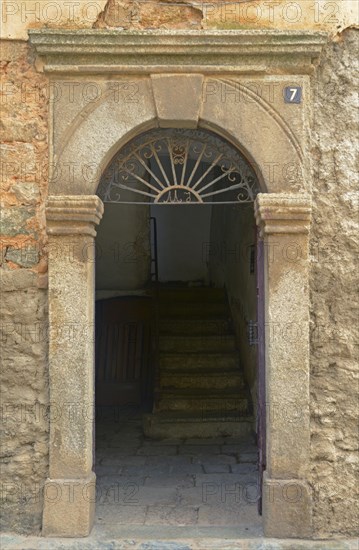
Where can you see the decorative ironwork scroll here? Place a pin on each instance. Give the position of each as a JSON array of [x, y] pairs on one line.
[[178, 166]]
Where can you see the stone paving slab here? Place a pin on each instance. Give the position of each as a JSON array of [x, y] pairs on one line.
[[120, 480], [231, 449], [119, 495], [244, 468], [121, 515], [199, 449], [172, 515], [217, 468], [151, 496], [168, 460], [206, 441], [160, 450], [171, 538], [101, 470], [105, 450], [207, 459], [223, 514], [192, 496], [248, 457], [243, 441], [146, 470], [222, 479], [190, 469], [124, 442], [124, 448], [170, 481], [123, 460]]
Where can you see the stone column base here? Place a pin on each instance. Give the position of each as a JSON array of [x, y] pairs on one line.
[[287, 507], [69, 507]]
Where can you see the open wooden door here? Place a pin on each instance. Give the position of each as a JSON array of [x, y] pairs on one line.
[[123, 351], [261, 397]]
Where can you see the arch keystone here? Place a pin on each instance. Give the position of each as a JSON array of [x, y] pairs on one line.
[[178, 99]]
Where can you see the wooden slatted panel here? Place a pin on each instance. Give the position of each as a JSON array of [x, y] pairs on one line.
[[123, 351]]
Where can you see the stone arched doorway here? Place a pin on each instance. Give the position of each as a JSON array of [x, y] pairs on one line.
[[85, 138], [207, 218]]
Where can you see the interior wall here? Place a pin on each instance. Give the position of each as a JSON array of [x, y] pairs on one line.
[[123, 256], [229, 255], [183, 233]]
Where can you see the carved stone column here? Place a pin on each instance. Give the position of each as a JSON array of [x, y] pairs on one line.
[[69, 497], [284, 221]]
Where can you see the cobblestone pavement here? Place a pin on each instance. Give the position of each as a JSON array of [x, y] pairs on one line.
[[174, 482]]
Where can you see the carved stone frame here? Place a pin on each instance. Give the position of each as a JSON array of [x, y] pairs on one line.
[[180, 77]]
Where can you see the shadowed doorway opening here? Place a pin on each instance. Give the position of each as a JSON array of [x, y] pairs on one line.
[[176, 372]]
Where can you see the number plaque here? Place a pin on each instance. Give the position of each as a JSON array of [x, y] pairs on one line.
[[293, 94]]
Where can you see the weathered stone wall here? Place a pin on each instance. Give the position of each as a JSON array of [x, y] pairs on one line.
[[20, 15], [334, 286], [24, 374], [24, 452]]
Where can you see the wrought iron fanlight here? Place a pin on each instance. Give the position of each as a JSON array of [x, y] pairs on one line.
[[177, 166]]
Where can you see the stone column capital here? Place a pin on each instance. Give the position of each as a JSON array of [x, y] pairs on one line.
[[283, 213], [73, 214]]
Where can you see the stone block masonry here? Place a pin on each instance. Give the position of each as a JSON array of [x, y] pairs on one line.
[[24, 371], [333, 285]]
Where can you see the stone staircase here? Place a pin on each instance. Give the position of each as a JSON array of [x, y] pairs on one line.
[[200, 389]]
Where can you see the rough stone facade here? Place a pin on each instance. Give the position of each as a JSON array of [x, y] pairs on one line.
[[334, 284], [24, 374], [25, 400]]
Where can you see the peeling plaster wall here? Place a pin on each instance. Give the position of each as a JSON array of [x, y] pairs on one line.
[[24, 131]]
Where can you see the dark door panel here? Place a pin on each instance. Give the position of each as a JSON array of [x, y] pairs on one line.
[[123, 351]]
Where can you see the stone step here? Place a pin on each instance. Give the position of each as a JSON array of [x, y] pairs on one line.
[[216, 326], [202, 391], [221, 401], [217, 379], [192, 294], [196, 425], [195, 310], [197, 343], [198, 361]]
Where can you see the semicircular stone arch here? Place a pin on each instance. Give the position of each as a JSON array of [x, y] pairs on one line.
[[254, 127]]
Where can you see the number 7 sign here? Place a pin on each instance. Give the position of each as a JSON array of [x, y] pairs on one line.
[[292, 94]]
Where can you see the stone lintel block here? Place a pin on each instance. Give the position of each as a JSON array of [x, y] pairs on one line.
[[252, 51], [287, 506], [283, 213], [73, 214], [69, 507], [180, 95]]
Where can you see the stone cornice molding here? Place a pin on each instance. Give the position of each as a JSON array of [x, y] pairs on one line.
[[73, 215], [283, 213], [109, 51]]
